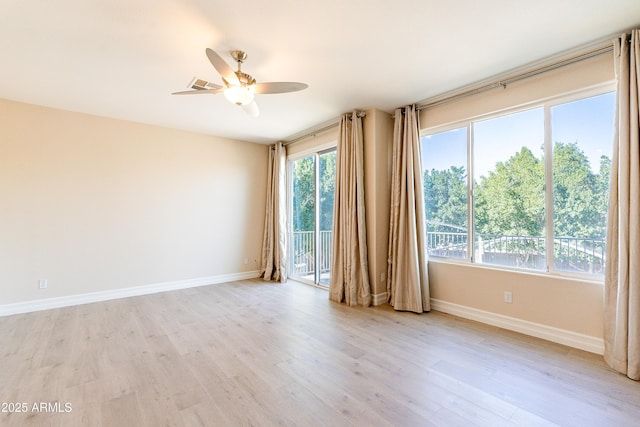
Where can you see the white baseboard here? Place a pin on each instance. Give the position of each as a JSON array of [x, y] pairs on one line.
[[66, 301], [549, 333], [379, 299]]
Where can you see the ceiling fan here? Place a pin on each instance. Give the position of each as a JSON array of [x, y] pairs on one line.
[[239, 87]]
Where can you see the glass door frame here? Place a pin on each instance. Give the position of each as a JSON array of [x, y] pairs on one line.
[[316, 153]]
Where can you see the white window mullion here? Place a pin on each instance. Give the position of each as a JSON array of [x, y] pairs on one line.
[[548, 186], [470, 197], [316, 263]]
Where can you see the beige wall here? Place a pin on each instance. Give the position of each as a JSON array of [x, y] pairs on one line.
[[569, 304], [95, 204], [378, 133]]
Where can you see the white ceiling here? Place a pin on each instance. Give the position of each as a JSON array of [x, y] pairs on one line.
[[123, 58]]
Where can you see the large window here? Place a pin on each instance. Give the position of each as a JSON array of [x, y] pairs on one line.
[[537, 190]]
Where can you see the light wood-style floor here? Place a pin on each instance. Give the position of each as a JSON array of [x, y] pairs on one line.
[[254, 353]]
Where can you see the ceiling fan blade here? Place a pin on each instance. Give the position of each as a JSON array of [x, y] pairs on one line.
[[222, 67], [251, 108], [198, 91], [279, 87]]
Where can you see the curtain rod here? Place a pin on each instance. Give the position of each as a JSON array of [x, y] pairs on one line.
[[512, 79], [314, 133]]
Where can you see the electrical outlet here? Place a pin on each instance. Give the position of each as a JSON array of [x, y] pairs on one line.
[[508, 297], [42, 283], [246, 261], [382, 277]]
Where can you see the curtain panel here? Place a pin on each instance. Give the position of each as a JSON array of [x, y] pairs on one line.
[[622, 273], [349, 262], [407, 276], [274, 261]]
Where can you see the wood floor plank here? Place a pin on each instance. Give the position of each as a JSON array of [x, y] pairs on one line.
[[257, 353]]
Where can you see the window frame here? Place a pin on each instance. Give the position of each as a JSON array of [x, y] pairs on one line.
[[547, 104], [314, 151], [446, 128]]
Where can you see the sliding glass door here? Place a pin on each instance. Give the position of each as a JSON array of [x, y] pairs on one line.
[[311, 219]]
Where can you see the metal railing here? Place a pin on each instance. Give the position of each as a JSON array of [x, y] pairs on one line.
[[447, 244], [579, 254], [513, 251], [303, 249], [572, 254]]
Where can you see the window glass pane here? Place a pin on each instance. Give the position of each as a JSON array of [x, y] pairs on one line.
[[509, 212], [582, 136], [444, 159], [303, 217], [327, 174]]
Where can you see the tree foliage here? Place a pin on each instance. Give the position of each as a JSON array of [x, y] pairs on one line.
[[510, 200], [304, 201], [579, 195], [327, 170], [446, 198], [304, 192]]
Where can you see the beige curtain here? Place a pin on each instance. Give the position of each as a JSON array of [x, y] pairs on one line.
[[349, 265], [622, 277], [274, 260], [407, 276]]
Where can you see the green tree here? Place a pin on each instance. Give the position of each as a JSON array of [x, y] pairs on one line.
[[446, 198], [579, 195], [602, 192], [303, 194], [327, 169], [510, 199]]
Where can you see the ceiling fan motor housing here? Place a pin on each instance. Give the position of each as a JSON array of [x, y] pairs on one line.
[[239, 55], [245, 79]]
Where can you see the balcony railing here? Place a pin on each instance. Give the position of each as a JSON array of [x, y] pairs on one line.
[[573, 254], [303, 249]]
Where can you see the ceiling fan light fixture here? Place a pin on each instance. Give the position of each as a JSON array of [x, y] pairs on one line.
[[239, 95], [239, 87]]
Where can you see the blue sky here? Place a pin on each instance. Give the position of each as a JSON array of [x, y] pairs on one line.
[[587, 121]]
